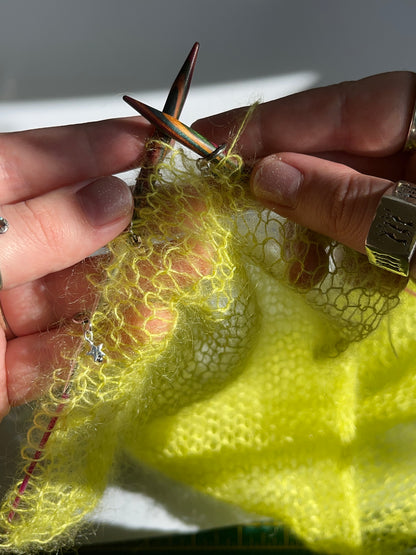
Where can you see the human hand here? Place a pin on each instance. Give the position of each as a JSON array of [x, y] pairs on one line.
[[338, 148], [323, 158], [60, 210]]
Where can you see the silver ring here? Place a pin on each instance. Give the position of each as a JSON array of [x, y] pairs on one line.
[[5, 325], [4, 226], [410, 143], [391, 240]]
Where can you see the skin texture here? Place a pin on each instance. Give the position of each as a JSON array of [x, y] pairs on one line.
[[60, 210], [322, 158]]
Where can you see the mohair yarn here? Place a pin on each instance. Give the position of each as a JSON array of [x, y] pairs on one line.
[[245, 356]]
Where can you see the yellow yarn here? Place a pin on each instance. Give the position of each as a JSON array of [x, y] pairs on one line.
[[245, 356]]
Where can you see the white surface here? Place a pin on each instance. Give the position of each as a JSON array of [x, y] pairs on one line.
[[149, 503], [202, 101], [126, 509]]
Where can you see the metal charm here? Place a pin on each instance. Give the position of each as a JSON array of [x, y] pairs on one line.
[[4, 225], [96, 351], [203, 164]]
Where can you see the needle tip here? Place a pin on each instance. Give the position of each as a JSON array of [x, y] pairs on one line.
[[140, 107]]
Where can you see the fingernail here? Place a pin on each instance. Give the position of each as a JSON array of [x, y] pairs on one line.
[[105, 201], [276, 182]]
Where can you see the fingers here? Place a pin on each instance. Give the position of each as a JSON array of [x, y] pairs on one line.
[[60, 228], [42, 304], [369, 117], [29, 365], [326, 197], [31, 360], [37, 161]]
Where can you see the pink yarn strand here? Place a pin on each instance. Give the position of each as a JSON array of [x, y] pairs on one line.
[[42, 444]]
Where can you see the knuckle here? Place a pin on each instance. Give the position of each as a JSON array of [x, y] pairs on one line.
[[341, 114], [10, 176], [42, 228], [346, 208]]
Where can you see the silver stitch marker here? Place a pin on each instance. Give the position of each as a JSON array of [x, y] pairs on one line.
[[4, 225], [96, 351]]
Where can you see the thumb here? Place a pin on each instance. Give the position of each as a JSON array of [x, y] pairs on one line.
[[326, 197]]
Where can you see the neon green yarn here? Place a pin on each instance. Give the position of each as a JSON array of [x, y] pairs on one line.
[[247, 357]]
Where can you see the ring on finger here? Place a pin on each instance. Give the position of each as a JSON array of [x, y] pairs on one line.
[[410, 143], [4, 226], [391, 240], [5, 325]]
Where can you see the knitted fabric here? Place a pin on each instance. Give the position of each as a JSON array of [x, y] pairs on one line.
[[245, 356]]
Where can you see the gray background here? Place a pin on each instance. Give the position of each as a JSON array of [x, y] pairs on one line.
[[66, 48]]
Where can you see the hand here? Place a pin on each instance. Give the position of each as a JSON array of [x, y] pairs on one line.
[[60, 210], [323, 158]]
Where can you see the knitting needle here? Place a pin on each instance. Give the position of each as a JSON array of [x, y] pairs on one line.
[[177, 130], [173, 106]]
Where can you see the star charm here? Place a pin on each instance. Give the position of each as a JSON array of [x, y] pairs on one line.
[[96, 352]]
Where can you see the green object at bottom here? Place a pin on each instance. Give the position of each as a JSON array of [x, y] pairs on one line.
[[247, 539]]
